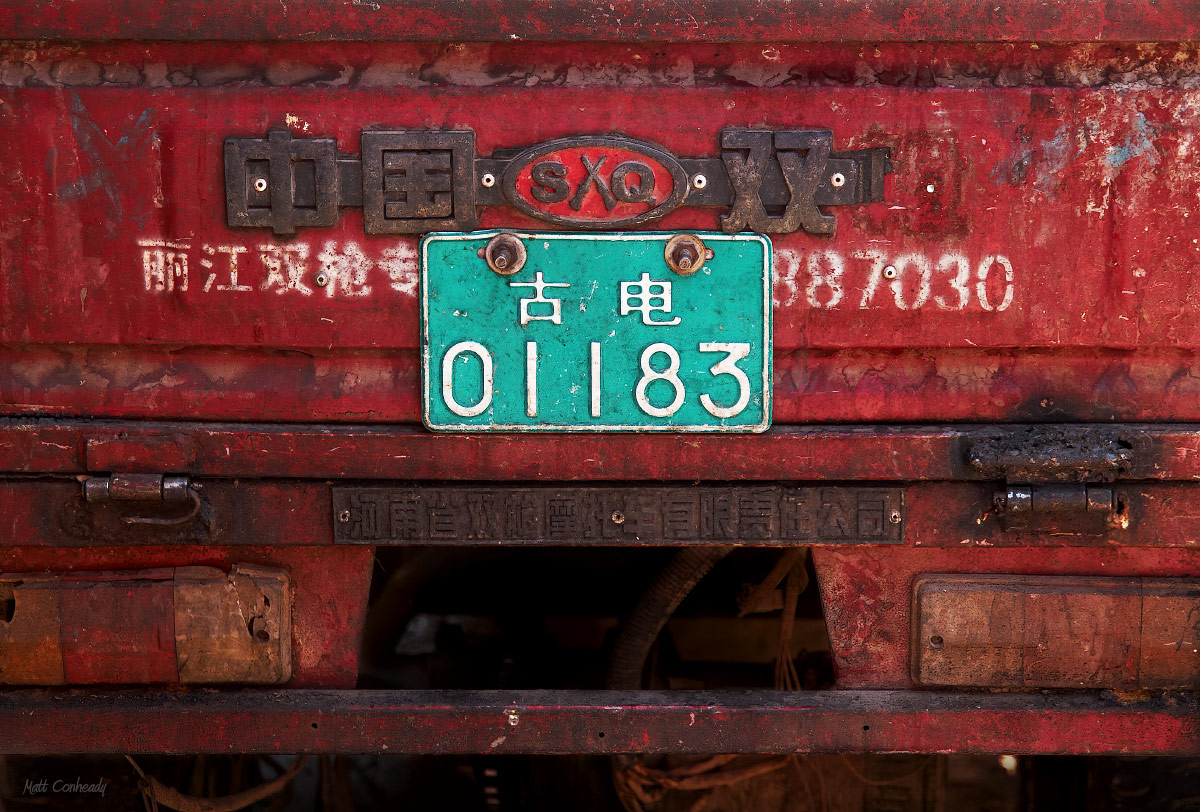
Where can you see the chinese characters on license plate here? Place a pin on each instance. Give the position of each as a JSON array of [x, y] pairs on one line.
[[596, 332]]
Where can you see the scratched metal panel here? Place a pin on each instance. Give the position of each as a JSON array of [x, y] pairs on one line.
[[1031, 259]]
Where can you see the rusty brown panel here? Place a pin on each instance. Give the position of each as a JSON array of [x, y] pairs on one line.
[[330, 588], [233, 627], [118, 631], [197, 625], [867, 592], [1011, 631], [1082, 633], [30, 639], [962, 636], [1170, 633]]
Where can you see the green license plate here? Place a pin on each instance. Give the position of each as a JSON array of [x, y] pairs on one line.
[[595, 332]]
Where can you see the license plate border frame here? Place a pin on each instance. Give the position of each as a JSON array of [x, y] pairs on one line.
[[768, 333]]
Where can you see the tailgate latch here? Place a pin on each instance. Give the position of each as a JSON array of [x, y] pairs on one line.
[[149, 490]]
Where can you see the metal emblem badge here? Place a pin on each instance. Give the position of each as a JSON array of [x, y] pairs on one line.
[[419, 181]]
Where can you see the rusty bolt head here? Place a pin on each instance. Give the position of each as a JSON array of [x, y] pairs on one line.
[[685, 253], [344, 516], [895, 517], [505, 254], [618, 517]]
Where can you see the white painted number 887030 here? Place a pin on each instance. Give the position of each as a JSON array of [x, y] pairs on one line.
[[726, 366]]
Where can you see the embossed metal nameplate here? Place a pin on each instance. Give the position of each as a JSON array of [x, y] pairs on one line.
[[768, 514], [419, 181]]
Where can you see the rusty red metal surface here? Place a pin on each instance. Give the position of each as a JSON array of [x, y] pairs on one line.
[[329, 583], [1020, 170], [1032, 261], [509, 722], [584, 20], [300, 513], [1168, 452], [867, 593]]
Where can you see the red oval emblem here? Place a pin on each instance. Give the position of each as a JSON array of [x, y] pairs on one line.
[[595, 182]]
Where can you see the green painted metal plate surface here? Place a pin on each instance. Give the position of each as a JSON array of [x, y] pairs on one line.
[[596, 333]]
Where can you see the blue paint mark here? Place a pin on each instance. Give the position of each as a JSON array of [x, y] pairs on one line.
[[1139, 143], [104, 156]]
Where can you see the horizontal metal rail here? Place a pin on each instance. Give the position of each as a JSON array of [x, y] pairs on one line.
[[565, 722], [404, 452], [604, 20]]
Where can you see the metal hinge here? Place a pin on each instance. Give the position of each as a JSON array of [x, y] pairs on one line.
[[1054, 472], [1057, 498], [144, 489]]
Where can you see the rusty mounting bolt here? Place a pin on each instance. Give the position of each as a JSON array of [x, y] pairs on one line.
[[895, 517], [344, 516], [618, 517], [505, 254], [685, 253], [936, 641], [257, 629]]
